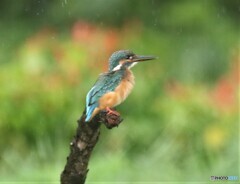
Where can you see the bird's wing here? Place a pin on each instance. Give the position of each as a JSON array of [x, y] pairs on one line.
[[106, 82]]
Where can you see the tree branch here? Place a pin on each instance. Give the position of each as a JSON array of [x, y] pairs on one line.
[[81, 147]]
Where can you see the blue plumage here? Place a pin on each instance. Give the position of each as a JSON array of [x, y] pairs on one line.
[[90, 110]]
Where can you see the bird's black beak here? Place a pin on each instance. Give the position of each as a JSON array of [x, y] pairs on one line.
[[138, 58]]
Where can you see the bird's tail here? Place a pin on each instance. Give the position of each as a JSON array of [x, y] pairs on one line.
[[89, 113]]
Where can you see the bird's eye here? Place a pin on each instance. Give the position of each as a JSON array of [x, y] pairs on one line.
[[129, 57]]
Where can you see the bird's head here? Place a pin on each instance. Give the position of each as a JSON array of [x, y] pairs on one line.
[[125, 59]]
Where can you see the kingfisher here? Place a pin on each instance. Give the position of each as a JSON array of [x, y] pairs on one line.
[[113, 86]]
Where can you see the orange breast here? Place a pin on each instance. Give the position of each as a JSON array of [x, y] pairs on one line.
[[125, 87], [121, 92]]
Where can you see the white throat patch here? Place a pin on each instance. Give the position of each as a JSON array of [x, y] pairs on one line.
[[132, 65], [118, 67]]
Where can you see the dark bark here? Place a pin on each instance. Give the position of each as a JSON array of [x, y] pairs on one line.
[[87, 134]]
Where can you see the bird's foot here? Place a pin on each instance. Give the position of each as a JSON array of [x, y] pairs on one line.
[[112, 112], [110, 118]]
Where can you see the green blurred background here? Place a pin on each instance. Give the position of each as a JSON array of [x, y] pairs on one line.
[[181, 122]]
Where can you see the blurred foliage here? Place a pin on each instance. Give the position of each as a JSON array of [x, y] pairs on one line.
[[182, 119]]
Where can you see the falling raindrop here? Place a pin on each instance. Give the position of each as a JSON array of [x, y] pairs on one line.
[[64, 3]]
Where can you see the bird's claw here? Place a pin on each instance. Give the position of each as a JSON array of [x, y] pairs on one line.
[[112, 112], [111, 118]]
